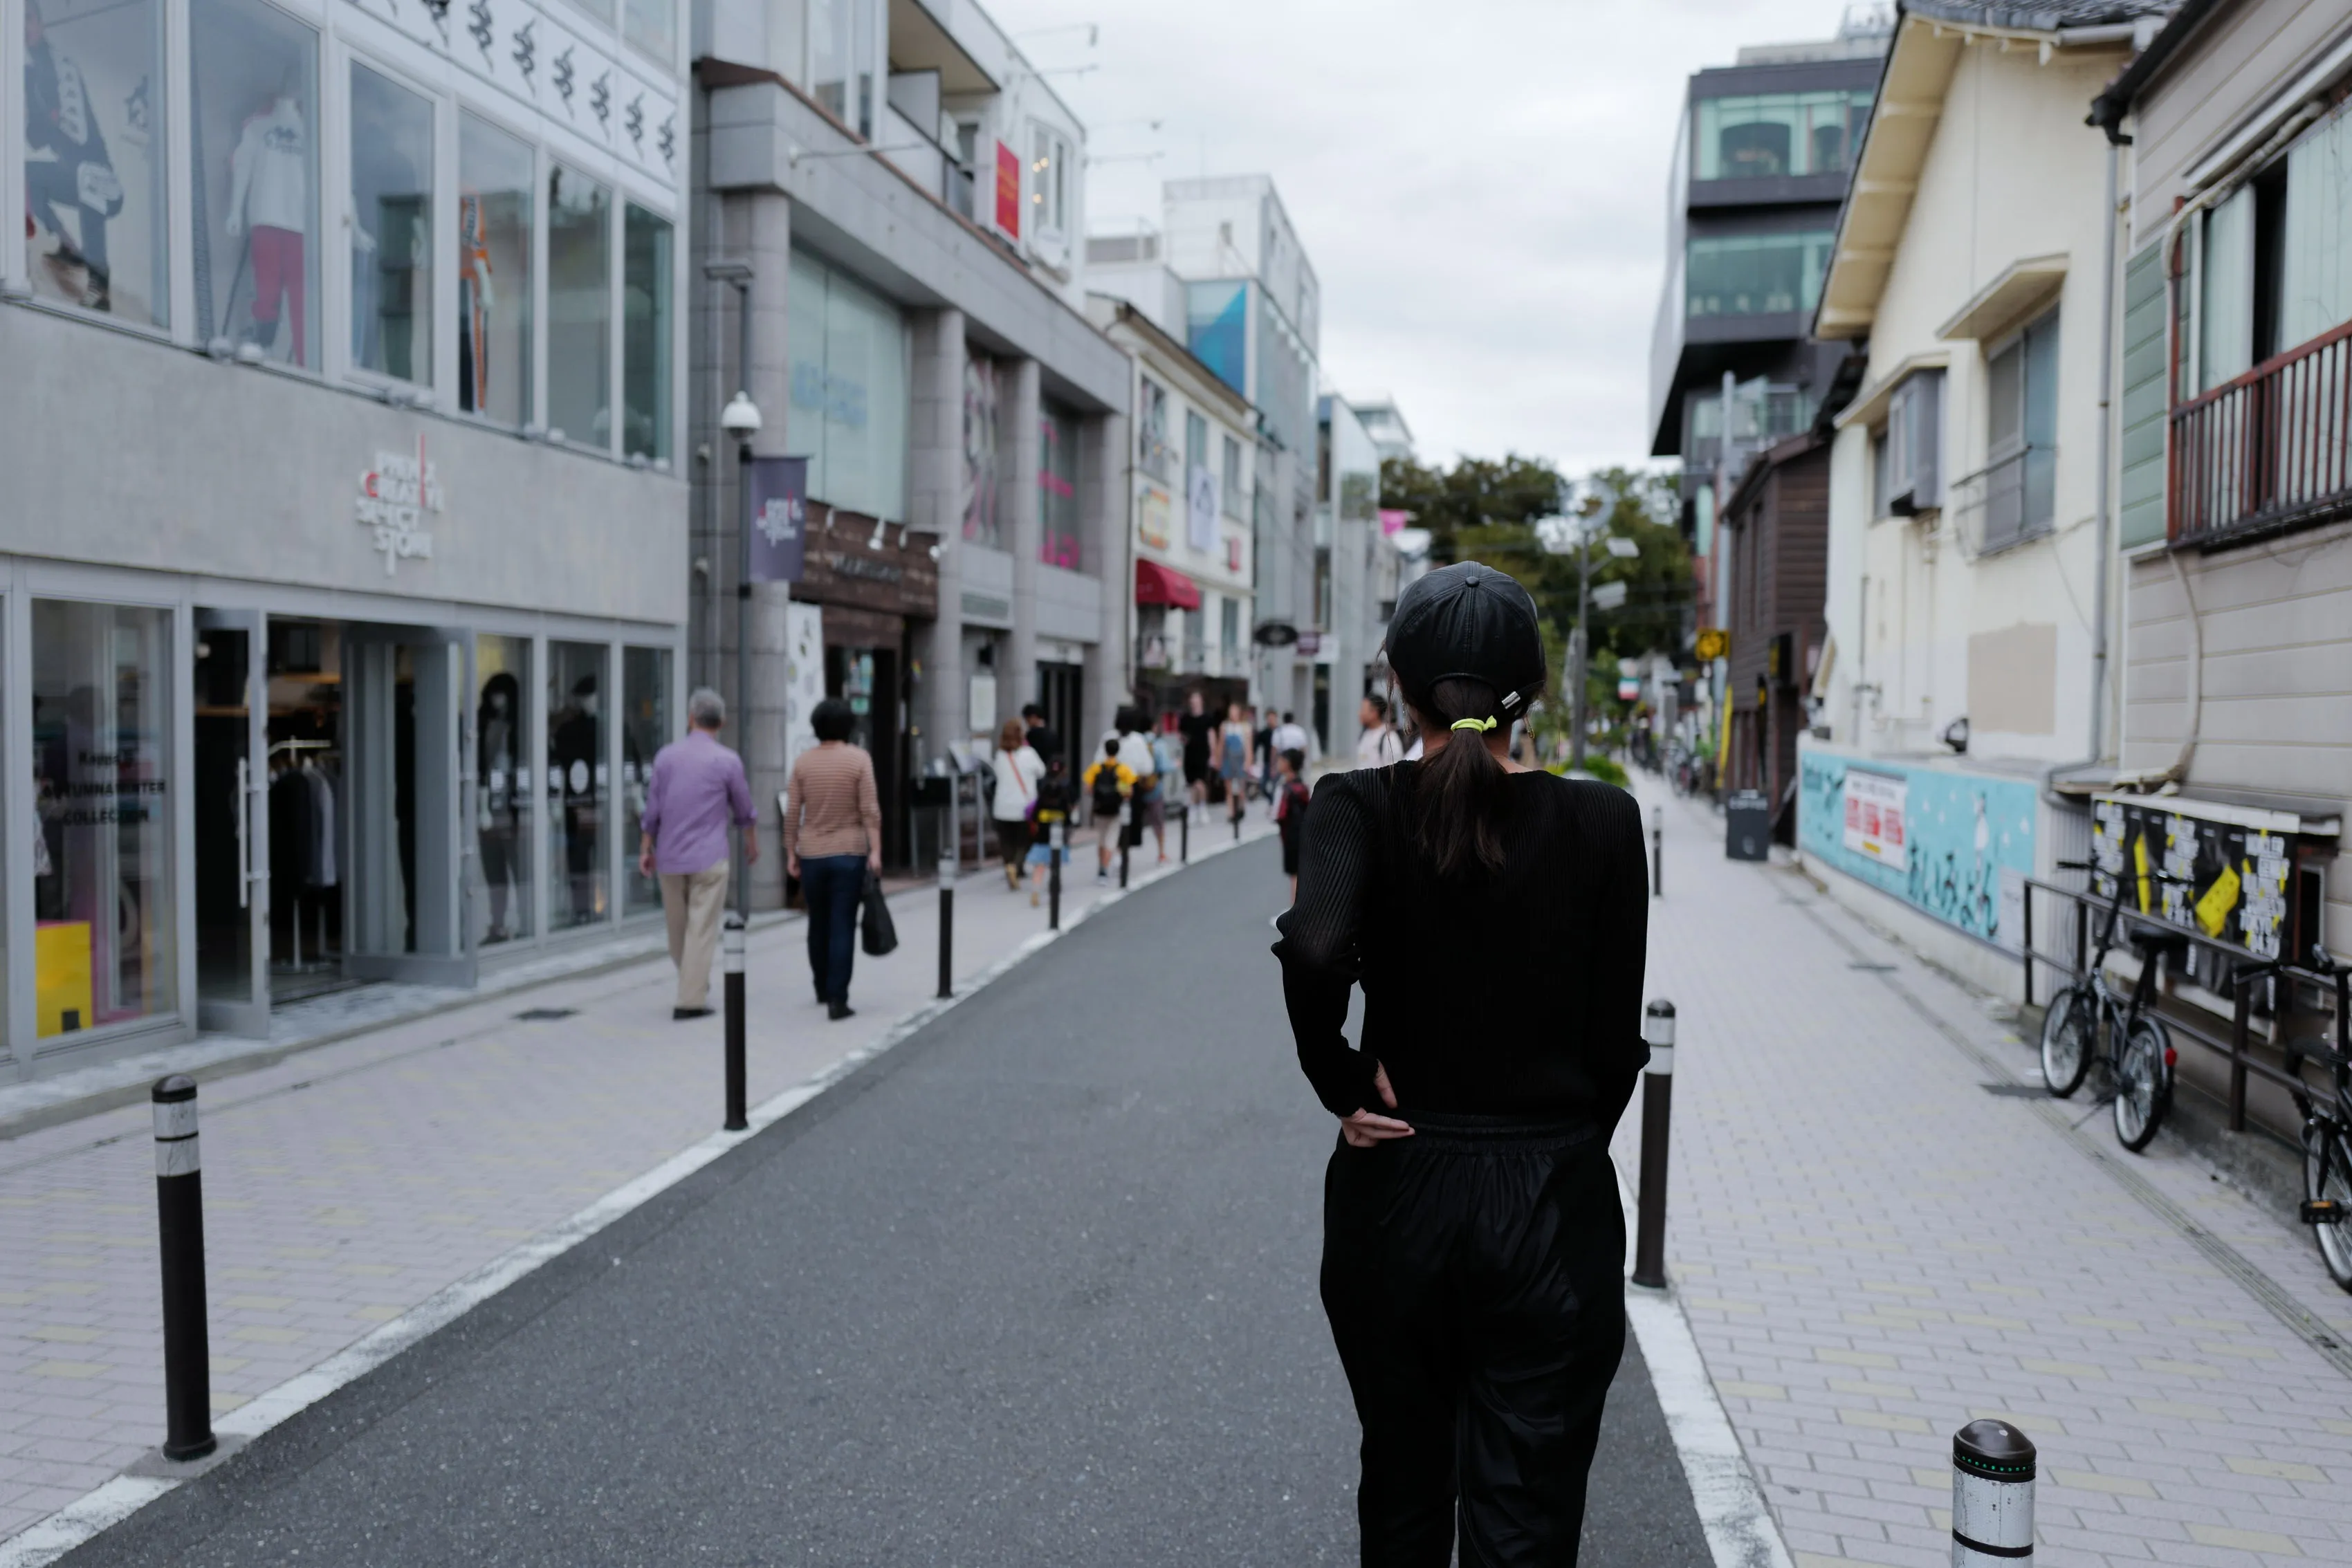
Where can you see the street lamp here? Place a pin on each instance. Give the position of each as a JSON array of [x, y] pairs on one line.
[[1560, 536], [739, 422]]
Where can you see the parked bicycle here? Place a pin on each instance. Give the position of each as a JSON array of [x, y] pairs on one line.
[[2327, 1134], [2088, 1023]]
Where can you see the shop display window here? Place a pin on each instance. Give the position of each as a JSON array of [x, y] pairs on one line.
[[97, 234], [496, 182], [103, 859], [392, 227], [579, 310], [647, 725], [1057, 486], [646, 270], [577, 784], [506, 898], [253, 101]]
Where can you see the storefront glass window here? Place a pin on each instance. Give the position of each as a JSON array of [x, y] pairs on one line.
[[645, 273], [253, 96], [652, 25], [849, 389], [981, 524], [392, 227], [1756, 275], [1058, 487], [494, 183], [502, 771], [1771, 135], [646, 727], [94, 157], [103, 902], [579, 310], [577, 780]]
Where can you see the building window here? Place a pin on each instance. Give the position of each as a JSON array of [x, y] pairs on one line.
[[981, 524], [1771, 135], [495, 182], [576, 783], [1196, 443], [579, 310], [646, 270], [841, 60], [652, 25], [849, 350], [95, 213], [392, 227], [253, 94], [2021, 391], [1756, 274], [1229, 630], [1049, 180], [600, 9], [502, 821], [646, 727], [1216, 329], [1233, 486], [1057, 486], [103, 858], [1152, 451]]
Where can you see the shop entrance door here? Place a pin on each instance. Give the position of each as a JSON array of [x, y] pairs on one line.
[[408, 761], [1061, 691], [231, 705]]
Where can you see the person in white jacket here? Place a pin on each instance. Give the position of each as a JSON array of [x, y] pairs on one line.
[[1018, 767]]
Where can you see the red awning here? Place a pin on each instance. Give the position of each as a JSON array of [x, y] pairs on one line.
[[1158, 584]]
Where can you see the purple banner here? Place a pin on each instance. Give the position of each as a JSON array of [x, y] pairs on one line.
[[779, 518]]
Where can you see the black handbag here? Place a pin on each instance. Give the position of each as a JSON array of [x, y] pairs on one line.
[[881, 932]]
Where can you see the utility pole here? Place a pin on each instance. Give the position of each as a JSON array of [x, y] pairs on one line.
[[1580, 643], [740, 419]]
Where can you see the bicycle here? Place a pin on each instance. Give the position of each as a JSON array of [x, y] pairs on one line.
[[2327, 1135], [2086, 1021]]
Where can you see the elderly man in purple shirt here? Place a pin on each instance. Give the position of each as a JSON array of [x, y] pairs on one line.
[[697, 787]]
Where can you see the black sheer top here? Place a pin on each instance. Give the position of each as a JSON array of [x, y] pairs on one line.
[[1516, 992]]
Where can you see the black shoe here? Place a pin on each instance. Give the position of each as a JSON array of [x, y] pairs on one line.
[[676, 1013], [837, 1010]]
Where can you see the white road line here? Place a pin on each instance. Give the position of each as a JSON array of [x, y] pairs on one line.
[[118, 1499], [1740, 1532]]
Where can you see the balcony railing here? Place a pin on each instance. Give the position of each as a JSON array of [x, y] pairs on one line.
[[2269, 451]]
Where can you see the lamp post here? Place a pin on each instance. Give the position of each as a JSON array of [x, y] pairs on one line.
[[739, 422], [1559, 535]]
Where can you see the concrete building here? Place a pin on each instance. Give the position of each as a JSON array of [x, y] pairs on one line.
[[340, 592], [1384, 423], [906, 190], [1356, 572], [1965, 493]]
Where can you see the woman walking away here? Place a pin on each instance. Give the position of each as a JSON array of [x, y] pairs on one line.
[[833, 839], [1232, 761], [1018, 770], [1472, 1238]]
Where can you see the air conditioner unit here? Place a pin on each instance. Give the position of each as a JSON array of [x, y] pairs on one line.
[[1915, 444]]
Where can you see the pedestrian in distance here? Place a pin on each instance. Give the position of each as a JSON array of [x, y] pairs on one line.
[[1044, 738], [1378, 745], [832, 843], [1051, 808], [1473, 1245], [1168, 761], [1132, 725], [1290, 801], [1108, 782], [1018, 770], [1232, 760], [697, 789], [1199, 727], [1262, 752], [1290, 734]]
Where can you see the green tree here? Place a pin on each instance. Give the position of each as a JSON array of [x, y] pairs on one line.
[[1473, 493]]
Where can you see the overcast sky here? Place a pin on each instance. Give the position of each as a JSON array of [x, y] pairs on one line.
[[1480, 184]]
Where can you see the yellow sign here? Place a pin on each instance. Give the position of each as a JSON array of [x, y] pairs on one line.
[[61, 971], [1714, 642]]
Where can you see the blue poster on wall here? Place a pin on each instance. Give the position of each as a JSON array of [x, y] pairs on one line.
[[1955, 845]]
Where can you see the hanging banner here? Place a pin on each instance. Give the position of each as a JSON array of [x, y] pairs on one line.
[[779, 518], [1008, 191]]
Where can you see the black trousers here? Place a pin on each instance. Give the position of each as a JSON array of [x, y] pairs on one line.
[[1474, 1277]]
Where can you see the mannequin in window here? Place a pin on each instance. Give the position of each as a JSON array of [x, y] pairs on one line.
[[66, 167], [476, 299], [578, 746], [498, 751], [270, 203]]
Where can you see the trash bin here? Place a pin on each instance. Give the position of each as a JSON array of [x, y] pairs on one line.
[[1746, 826]]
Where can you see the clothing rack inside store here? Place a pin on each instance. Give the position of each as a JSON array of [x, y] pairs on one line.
[[293, 749]]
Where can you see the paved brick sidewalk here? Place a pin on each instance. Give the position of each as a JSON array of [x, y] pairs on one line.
[[347, 1184], [1872, 1251]]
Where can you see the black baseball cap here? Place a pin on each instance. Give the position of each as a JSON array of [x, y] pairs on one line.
[[1467, 622]]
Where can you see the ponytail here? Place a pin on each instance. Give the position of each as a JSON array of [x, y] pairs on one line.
[[1461, 786]]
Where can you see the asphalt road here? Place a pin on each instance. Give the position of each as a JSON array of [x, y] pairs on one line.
[[1037, 1286]]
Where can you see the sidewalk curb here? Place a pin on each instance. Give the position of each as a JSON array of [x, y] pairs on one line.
[[1738, 1523], [115, 1500]]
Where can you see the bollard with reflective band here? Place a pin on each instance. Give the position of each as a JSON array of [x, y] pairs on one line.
[[1992, 1495], [1657, 851], [947, 924], [1657, 1107], [180, 1226], [1184, 838], [730, 948], [1053, 878], [1125, 821]]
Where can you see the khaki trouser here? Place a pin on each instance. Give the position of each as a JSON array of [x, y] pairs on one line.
[[694, 901]]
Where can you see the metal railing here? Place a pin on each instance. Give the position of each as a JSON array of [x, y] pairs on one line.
[[2300, 1000], [2269, 450], [2006, 502]]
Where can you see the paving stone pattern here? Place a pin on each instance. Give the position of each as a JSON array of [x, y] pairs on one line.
[[1873, 1251], [348, 1183]]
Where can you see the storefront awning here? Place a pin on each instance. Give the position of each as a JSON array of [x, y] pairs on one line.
[[1158, 584]]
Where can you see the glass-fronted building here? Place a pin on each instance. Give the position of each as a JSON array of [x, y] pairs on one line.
[[340, 608]]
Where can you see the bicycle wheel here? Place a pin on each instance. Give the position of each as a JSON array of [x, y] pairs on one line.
[[2327, 1174], [2070, 1030], [2143, 1083]]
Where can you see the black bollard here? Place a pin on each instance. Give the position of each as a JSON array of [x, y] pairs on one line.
[[1237, 827], [1053, 880], [731, 947], [1126, 819], [1657, 851], [1657, 1105], [947, 925], [180, 1226], [1184, 837]]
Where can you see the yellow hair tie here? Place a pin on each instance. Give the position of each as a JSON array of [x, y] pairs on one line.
[[1473, 723]]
